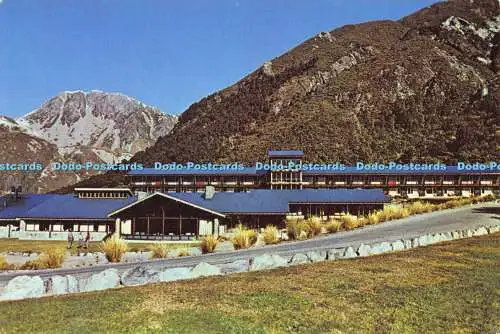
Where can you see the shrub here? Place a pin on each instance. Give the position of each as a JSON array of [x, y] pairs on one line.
[[244, 238], [31, 265], [208, 244], [52, 258], [333, 226], [183, 252], [114, 248], [160, 250], [349, 222], [313, 226], [271, 235], [373, 219], [292, 229]]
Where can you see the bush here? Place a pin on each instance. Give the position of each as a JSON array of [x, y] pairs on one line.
[[114, 248], [349, 222], [183, 252], [160, 250], [53, 258], [333, 226], [208, 244], [373, 219], [244, 238], [271, 235], [313, 226], [31, 265], [291, 229]]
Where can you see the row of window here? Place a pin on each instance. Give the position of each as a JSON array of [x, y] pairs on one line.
[[66, 227]]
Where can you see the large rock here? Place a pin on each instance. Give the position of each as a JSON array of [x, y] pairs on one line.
[[175, 274], [424, 240], [467, 233], [267, 261], [407, 243], [235, 267], [398, 245], [493, 229], [446, 236], [299, 259], [364, 250], [106, 279], [59, 285], [349, 253], [415, 242], [205, 269], [140, 275], [22, 287], [316, 256], [455, 235], [379, 248], [335, 253], [479, 231]]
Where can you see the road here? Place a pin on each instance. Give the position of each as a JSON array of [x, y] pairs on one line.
[[436, 222]]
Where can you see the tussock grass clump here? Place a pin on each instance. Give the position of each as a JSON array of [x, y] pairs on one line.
[[183, 252], [4, 265], [114, 248], [373, 219], [419, 207], [244, 237], [159, 250], [52, 258], [314, 226], [208, 244], [31, 265], [271, 235], [350, 222], [333, 226]]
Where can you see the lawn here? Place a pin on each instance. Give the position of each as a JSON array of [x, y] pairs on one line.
[[452, 287], [35, 246]]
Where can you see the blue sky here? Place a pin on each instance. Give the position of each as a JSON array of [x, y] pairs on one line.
[[167, 53]]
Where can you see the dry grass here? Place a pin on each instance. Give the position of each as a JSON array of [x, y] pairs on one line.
[[373, 219], [208, 244], [183, 252], [4, 265], [53, 258], [114, 248], [349, 222], [314, 226], [298, 229], [244, 237], [271, 235], [333, 225], [159, 250]]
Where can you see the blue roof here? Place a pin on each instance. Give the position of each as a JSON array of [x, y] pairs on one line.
[[285, 153], [277, 201], [63, 207], [28, 202]]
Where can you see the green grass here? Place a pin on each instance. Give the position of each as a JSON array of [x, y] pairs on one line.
[[452, 287], [35, 246]]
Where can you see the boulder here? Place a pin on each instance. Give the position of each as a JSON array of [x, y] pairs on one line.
[[480, 231], [493, 229], [72, 284], [21, 287], [335, 253], [382, 247], [407, 243], [363, 250], [455, 235], [424, 240], [349, 253], [175, 274], [398, 245], [316, 256], [299, 259], [446, 236], [140, 275], [267, 261], [57, 285], [235, 267], [205, 269], [467, 233], [106, 279], [415, 242]]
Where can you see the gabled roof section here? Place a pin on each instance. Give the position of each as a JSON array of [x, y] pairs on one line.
[[176, 199]]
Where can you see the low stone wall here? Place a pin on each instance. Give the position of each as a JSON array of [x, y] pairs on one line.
[[45, 235], [22, 287]]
